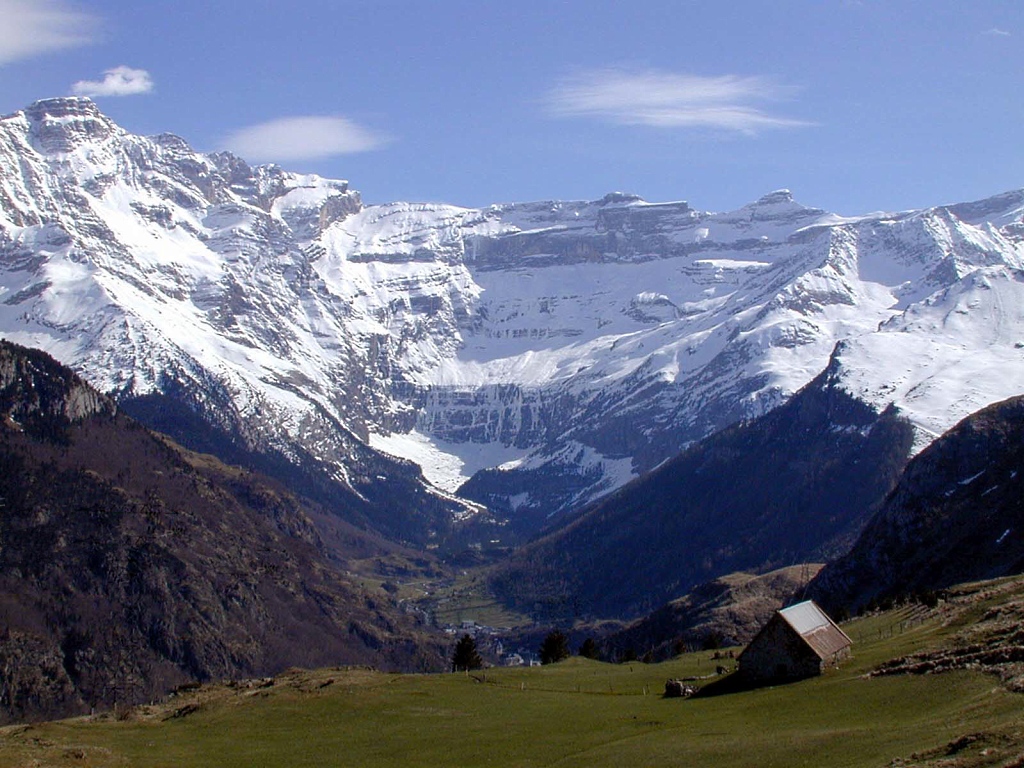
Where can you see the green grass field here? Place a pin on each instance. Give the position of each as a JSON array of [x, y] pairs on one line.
[[577, 713]]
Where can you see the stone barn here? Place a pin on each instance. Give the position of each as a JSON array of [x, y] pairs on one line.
[[797, 642]]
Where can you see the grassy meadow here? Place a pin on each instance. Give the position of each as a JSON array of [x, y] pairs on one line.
[[577, 713]]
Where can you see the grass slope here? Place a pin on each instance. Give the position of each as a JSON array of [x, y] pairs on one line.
[[578, 713]]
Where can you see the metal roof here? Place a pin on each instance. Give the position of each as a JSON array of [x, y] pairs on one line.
[[817, 629], [805, 617]]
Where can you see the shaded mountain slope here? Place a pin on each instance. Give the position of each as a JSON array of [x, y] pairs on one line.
[[956, 515], [792, 486], [128, 565], [382, 495]]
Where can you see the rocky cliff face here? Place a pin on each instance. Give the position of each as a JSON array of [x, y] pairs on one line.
[[548, 351], [33, 391]]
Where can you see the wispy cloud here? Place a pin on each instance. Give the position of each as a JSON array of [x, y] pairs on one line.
[[996, 32], [668, 100], [303, 138], [119, 81], [32, 27]]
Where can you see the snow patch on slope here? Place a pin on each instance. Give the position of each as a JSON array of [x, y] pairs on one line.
[[945, 357], [446, 465]]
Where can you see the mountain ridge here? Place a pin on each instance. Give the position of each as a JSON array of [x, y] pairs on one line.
[[529, 357]]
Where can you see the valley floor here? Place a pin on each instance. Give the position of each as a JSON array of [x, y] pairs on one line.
[[581, 713]]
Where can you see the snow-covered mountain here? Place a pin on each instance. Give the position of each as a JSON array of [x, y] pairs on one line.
[[546, 352], [151, 269]]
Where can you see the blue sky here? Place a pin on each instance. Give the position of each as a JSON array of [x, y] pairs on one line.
[[855, 106]]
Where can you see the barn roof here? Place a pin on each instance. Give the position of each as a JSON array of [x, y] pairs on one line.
[[817, 629]]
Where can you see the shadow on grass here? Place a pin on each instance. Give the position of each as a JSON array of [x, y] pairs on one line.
[[731, 683]]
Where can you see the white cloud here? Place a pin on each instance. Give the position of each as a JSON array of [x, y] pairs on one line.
[[32, 27], [996, 32], [668, 100], [119, 81], [303, 138]]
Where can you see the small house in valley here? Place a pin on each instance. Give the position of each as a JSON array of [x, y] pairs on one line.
[[797, 642]]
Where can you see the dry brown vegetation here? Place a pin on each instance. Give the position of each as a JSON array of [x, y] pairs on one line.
[[990, 638]]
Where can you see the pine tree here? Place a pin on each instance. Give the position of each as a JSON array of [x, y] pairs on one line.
[[589, 649], [466, 656], [554, 648]]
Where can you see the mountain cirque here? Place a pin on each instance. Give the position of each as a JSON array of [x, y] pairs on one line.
[[547, 352], [431, 377]]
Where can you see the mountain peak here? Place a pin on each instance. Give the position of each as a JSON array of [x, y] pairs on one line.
[[781, 198], [63, 106], [778, 197], [61, 124], [778, 205], [620, 198]]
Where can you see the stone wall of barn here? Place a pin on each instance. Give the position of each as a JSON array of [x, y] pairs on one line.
[[778, 653]]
